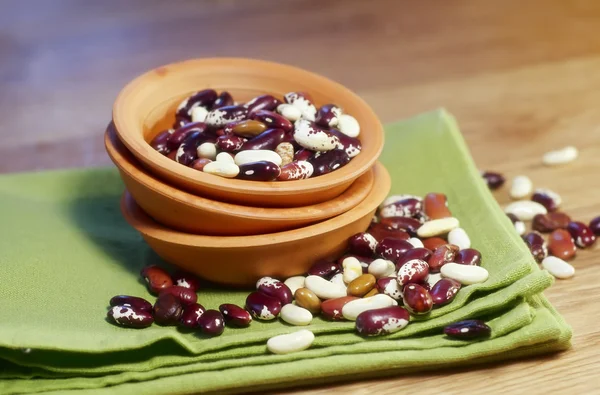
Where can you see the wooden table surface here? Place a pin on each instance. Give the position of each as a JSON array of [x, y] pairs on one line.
[[521, 76]]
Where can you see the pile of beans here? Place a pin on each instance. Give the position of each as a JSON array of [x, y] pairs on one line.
[[413, 258], [541, 207], [264, 139]]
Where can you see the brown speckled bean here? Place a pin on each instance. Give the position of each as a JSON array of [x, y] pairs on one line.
[[136, 303], [262, 306], [130, 317], [442, 255], [417, 299], [156, 278], [382, 321], [581, 234], [286, 151], [275, 288], [234, 315], [561, 244], [537, 245]]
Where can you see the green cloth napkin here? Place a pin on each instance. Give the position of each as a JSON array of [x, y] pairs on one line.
[[67, 250]]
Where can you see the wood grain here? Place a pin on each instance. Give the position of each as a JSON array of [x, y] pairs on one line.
[[520, 75]]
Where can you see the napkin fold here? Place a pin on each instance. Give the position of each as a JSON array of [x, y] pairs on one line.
[[67, 251]]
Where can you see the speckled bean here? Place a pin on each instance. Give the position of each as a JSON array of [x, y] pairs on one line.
[[223, 100], [547, 198], [186, 280], [184, 295], [204, 98], [411, 225], [332, 309], [230, 143], [547, 223], [259, 171], [275, 288], [220, 117], [468, 329], [416, 253], [413, 271], [268, 140], [234, 315], [407, 207], [191, 316], [362, 244], [328, 115], [595, 226], [444, 291], [389, 286], [327, 162], [324, 268], [537, 245], [272, 120], [581, 234], [159, 143], [303, 102], [289, 112], [382, 321], [392, 249], [262, 306], [130, 317], [350, 145], [263, 102], [468, 256], [136, 303], [417, 299], [312, 137], [167, 309], [298, 170], [212, 323], [441, 256], [561, 244]]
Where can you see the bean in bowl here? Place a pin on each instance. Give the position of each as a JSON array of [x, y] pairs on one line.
[[265, 139]]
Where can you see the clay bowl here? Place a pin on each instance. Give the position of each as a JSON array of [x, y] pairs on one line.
[[189, 213], [241, 260], [147, 105]]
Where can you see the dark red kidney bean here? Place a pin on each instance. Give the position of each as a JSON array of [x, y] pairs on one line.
[[179, 135], [547, 223], [350, 145], [410, 225], [413, 271], [444, 291], [493, 180], [276, 289], [263, 102], [198, 164], [230, 143], [181, 121], [546, 199], [435, 206], [137, 304], [297, 170], [331, 309], [156, 278], [188, 152], [259, 171], [380, 231], [416, 253], [288, 137], [272, 120], [303, 154], [561, 244], [324, 268], [262, 306], [234, 315], [407, 207], [582, 234], [159, 142], [537, 245], [185, 295], [390, 287], [329, 161], [327, 115], [224, 115], [186, 280], [468, 329], [224, 99], [382, 321], [212, 323], [130, 317], [362, 244], [204, 98], [392, 249], [417, 299], [268, 140], [468, 256], [190, 318], [442, 255], [167, 309], [172, 155], [595, 226]]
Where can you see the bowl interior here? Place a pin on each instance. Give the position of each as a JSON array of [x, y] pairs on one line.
[[146, 106]]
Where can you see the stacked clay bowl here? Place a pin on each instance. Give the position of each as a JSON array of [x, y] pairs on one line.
[[233, 231]]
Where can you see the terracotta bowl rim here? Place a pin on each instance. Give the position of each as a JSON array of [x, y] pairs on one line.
[[136, 144], [128, 164], [138, 219]]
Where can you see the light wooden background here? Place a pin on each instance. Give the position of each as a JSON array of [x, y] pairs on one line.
[[521, 76]]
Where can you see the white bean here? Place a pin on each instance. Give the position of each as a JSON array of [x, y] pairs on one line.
[[224, 157], [207, 150], [257, 155], [199, 114], [324, 289], [521, 187], [352, 269], [381, 268], [352, 309], [525, 210], [459, 238], [291, 342], [223, 169], [558, 268], [348, 125], [289, 112], [559, 157], [437, 227], [294, 283], [464, 274], [295, 315], [416, 242]]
